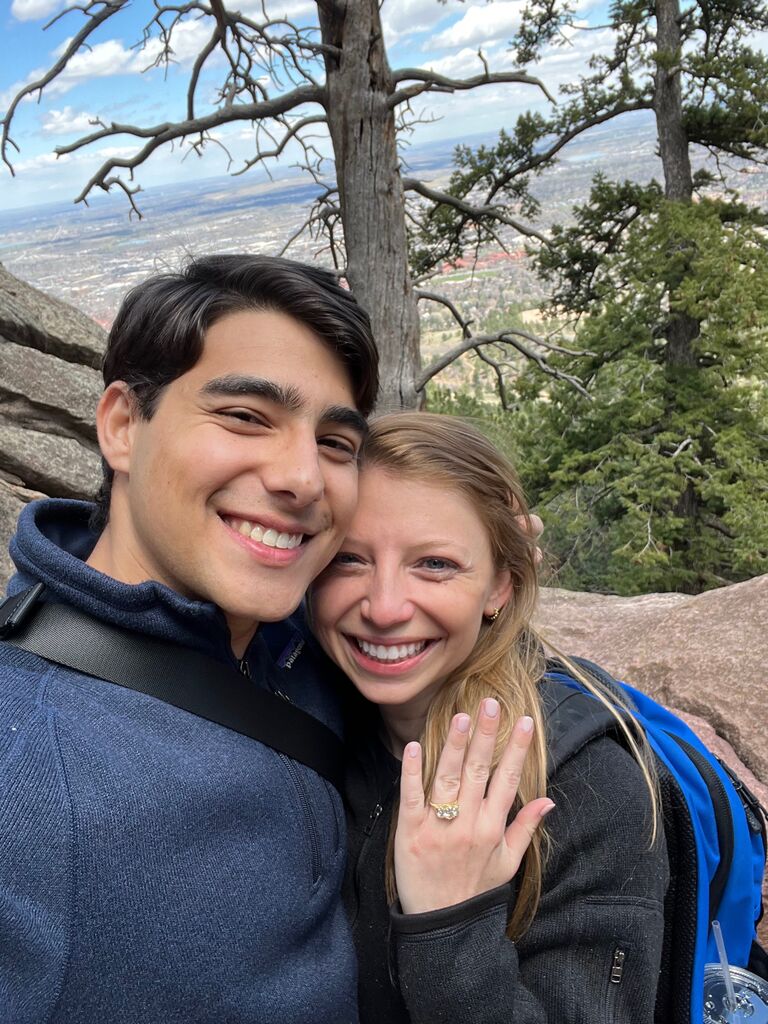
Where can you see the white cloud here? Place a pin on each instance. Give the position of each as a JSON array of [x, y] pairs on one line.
[[111, 57], [66, 121], [31, 10], [291, 10], [466, 63], [480, 26], [401, 18]]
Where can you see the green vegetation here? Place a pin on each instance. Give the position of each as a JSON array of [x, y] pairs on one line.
[[657, 477]]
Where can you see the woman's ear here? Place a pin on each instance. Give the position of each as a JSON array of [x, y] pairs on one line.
[[115, 418], [501, 592]]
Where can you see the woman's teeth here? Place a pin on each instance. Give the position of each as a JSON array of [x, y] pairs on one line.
[[271, 538], [392, 652]]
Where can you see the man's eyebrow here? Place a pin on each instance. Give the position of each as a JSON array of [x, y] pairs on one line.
[[286, 396], [242, 386], [345, 416]]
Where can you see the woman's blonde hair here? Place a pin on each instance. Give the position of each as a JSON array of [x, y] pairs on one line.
[[507, 660]]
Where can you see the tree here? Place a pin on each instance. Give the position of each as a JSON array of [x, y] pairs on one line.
[[664, 291], [289, 80]]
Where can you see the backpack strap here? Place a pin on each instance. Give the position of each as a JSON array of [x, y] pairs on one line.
[[186, 679], [574, 718]]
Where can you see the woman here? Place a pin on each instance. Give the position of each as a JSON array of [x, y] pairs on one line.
[[427, 609]]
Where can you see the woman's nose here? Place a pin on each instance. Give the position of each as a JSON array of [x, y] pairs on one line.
[[387, 604]]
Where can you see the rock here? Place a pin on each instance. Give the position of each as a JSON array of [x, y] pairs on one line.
[[704, 657], [49, 387], [32, 318], [11, 504], [47, 394], [704, 654], [58, 466]]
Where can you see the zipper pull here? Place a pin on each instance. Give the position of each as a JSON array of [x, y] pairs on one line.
[[374, 817], [617, 967], [243, 668]]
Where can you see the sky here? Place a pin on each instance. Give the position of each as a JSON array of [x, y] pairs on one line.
[[111, 81]]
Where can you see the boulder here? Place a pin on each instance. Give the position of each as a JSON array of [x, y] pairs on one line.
[[703, 657], [58, 466], [32, 318], [49, 387], [703, 654], [46, 393]]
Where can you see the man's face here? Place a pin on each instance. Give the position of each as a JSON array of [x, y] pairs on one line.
[[241, 486]]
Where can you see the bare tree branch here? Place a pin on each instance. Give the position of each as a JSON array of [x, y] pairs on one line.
[[109, 8], [162, 134], [494, 213], [291, 133], [508, 337], [434, 297], [499, 374], [431, 81]]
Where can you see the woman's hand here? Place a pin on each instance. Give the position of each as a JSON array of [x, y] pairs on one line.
[[440, 862]]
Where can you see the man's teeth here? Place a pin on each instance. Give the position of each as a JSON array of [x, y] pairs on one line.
[[393, 652], [271, 538]]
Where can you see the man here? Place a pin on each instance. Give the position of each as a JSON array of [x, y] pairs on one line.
[[154, 866]]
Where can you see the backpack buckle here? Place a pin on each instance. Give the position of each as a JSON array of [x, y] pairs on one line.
[[14, 611]]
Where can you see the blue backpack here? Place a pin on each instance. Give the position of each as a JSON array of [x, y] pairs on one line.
[[713, 826]]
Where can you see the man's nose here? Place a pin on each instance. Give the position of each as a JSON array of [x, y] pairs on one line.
[[295, 472]]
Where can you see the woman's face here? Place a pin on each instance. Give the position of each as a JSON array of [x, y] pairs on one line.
[[401, 605]]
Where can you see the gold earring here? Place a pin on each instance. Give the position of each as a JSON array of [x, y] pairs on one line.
[[494, 615]]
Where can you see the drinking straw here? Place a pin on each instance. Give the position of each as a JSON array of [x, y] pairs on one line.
[[731, 994]]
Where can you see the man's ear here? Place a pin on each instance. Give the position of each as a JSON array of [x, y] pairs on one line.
[[501, 593], [116, 416]]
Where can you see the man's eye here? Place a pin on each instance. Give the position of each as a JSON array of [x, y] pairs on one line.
[[243, 416], [339, 446]]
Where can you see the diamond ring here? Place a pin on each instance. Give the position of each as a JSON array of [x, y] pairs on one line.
[[447, 812]]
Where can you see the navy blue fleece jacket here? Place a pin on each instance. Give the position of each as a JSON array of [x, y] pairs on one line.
[[154, 867]]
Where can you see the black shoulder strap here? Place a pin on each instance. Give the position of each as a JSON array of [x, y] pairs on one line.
[[186, 679]]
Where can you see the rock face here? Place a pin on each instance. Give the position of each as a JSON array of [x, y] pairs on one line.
[[705, 657], [49, 387]]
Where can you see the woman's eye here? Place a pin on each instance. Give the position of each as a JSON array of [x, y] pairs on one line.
[[344, 558], [438, 564]]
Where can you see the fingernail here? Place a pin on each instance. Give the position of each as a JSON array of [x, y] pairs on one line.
[[546, 810], [462, 723], [491, 707], [526, 724], [412, 750]]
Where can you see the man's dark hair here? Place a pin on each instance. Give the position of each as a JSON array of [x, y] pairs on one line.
[[160, 328]]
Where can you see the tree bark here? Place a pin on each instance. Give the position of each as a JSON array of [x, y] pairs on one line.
[[362, 130], [668, 104], [682, 329]]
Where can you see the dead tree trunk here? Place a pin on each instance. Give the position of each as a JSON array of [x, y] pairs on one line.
[[361, 122]]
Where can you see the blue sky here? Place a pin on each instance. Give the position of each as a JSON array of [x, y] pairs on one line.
[[110, 81]]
